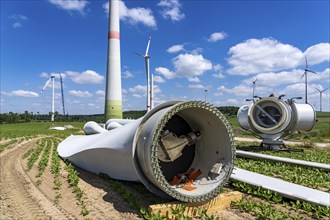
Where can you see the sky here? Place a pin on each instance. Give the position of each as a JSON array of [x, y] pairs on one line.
[[199, 50]]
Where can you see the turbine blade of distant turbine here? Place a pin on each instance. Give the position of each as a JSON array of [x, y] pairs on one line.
[[46, 85], [303, 75], [324, 90], [317, 89], [147, 50], [139, 54], [311, 71], [306, 63]]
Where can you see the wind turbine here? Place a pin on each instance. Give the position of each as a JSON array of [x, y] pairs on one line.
[[149, 92], [320, 91], [305, 74], [53, 95]]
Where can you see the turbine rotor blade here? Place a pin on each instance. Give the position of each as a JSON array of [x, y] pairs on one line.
[[46, 85], [147, 50]]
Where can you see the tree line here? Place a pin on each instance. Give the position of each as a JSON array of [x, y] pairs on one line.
[[27, 116]]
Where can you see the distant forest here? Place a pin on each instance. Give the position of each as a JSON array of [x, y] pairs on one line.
[[12, 117]]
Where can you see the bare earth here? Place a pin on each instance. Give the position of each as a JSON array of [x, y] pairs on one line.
[[25, 196]]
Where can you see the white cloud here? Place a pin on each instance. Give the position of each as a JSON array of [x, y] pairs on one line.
[[318, 53], [100, 92], [71, 5], [127, 74], [218, 71], [21, 93], [175, 48], [17, 25], [262, 55], [44, 75], [298, 88], [217, 36], [158, 79], [191, 65], [197, 86], [137, 96], [86, 77], [171, 10], [134, 15], [18, 18], [165, 72], [194, 79], [81, 94], [138, 89]]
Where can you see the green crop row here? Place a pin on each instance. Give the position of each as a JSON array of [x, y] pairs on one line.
[[7, 145], [35, 154], [310, 177], [43, 162], [262, 210], [73, 180], [55, 169], [314, 210]]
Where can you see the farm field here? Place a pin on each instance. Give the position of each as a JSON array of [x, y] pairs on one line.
[[36, 184]]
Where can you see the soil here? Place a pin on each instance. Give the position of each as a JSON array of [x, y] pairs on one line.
[[25, 196]]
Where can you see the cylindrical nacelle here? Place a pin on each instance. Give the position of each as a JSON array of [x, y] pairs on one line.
[[273, 116], [183, 150]]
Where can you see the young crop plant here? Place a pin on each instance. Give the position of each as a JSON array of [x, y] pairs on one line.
[[73, 180], [43, 162], [56, 168], [307, 176], [7, 145], [35, 155], [311, 209]]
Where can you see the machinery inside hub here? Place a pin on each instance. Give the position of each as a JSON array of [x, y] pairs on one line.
[[179, 127], [195, 154], [268, 116]]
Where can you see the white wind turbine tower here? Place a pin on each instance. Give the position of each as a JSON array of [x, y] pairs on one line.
[[149, 82], [305, 74], [320, 91], [53, 95]]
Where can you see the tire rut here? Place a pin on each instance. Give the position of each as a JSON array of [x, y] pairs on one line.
[[20, 198]]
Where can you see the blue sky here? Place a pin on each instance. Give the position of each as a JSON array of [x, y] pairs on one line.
[[221, 46]]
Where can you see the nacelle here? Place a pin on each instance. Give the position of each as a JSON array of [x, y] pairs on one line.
[[275, 118]]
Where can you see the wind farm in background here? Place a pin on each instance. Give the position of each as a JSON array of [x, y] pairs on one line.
[[182, 134]]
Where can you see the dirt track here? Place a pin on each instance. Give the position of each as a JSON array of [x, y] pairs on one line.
[[25, 196]]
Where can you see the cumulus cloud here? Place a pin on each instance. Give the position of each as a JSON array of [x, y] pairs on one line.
[[17, 25], [218, 71], [127, 74], [100, 92], [262, 55], [140, 91], [165, 72], [71, 5], [158, 79], [318, 53], [18, 19], [217, 36], [21, 93], [191, 65], [81, 94], [171, 10], [197, 86], [86, 77], [134, 15], [175, 48], [194, 79]]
